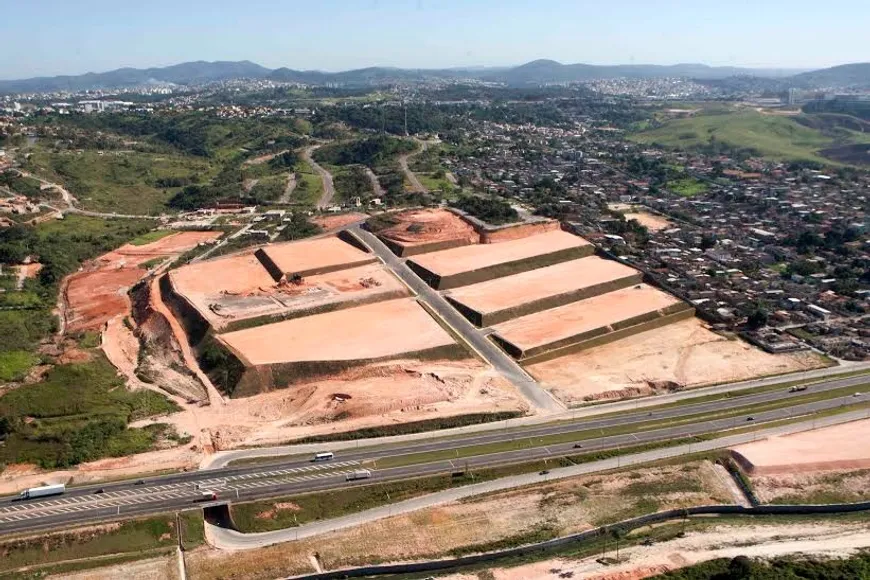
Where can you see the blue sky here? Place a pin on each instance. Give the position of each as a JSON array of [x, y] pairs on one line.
[[47, 37]]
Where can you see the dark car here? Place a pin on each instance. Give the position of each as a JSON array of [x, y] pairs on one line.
[[101, 490], [140, 482], [750, 418], [545, 472], [578, 446]]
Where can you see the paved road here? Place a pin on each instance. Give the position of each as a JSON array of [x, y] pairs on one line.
[[496, 357], [826, 379], [297, 475], [233, 540], [325, 176]]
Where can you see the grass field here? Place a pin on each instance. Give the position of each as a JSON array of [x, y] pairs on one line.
[[687, 187], [14, 365], [309, 186], [773, 136], [128, 182], [151, 237], [138, 537]]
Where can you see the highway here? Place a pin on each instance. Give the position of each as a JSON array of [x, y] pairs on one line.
[[299, 475], [496, 357]]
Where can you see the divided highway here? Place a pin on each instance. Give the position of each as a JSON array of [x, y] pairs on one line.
[[300, 475]]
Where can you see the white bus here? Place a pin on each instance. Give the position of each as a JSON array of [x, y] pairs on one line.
[[325, 456]]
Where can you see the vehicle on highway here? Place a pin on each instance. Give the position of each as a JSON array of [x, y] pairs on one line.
[[358, 474], [139, 482], [101, 490], [206, 495], [545, 472], [857, 394], [797, 388], [750, 418], [43, 491], [325, 456], [578, 446]]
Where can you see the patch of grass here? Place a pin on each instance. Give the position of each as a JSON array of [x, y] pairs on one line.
[[773, 136], [309, 185], [151, 237], [122, 182], [153, 263], [192, 526], [687, 187], [15, 364], [130, 537], [78, 413]]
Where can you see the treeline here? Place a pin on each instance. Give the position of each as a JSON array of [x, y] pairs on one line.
[[353, 183], [492, 211], [373, 151], [743, 568]]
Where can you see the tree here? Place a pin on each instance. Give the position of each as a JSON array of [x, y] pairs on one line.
[[757, 318], [739, 568]]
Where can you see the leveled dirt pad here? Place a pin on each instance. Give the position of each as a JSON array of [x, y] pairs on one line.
[[501, 299], [311, 257], [372, 331], [583, 321], [833, 448], [425, 230], [479, 263], [681, 355], [236, 292], [290, 352]]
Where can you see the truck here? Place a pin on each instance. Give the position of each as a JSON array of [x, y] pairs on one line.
[[44, 491], [358, 474], [206, 495]]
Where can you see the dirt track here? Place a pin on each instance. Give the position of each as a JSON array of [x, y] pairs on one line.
[[325, 177]]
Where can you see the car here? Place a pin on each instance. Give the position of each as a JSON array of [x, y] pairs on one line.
[[750, 418], [101, 490], [857, 394], [578, 446], [139, 482], [545, 472]]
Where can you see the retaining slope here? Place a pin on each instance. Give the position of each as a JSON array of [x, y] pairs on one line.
[[478, 263], [502, 299], [626, 311]]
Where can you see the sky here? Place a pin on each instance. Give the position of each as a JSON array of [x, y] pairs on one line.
[[50, 37]]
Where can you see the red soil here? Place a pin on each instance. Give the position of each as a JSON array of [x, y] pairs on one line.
[[321, 253], [519, 289], [469, 258], [566, 321], [517, 232], [99, 293], [839, 447], [366, 332], [334, 222], [426, 226]]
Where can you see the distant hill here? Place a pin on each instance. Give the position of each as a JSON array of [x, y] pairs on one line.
[[550, 71], [181, 74], [846, 75], [533, 73]]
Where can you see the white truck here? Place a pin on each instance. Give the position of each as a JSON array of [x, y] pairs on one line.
[[205, 495], [358, 474], [43, 491]]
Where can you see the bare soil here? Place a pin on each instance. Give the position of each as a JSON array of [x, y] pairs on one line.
[[754, 541], [830, 448], [371, 331], [599, 312], [475, 257], [317, 254], [162, 568], [681, 355], [335, 222], [519, 289], [425, 226]]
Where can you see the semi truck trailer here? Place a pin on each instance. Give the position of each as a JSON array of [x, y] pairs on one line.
[[358, 474], [44, 491]]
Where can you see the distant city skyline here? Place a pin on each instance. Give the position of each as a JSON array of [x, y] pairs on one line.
[[57, 37]]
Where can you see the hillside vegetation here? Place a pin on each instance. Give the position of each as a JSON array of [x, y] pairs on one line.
[[777, 137]]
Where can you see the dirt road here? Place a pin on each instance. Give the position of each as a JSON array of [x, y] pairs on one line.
[[376, 185], [416, 186], [288, 190], [325, 177]]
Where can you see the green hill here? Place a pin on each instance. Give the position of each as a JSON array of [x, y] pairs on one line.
[[773, 136]]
